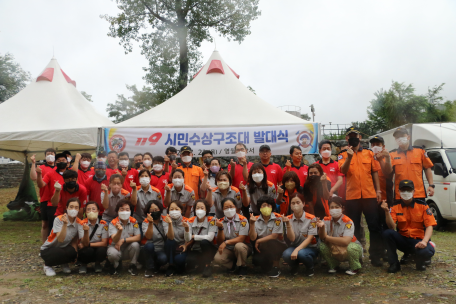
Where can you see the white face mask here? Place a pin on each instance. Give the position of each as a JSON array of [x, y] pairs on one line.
[[257, 177], [92, 215], [335, 212], [223, 185], [124, 215], [123, 163], [402, 141], [186, 159], [406, 195], [72, 213], [69, 159], [377, 149], [296, 207], [175, 214], [50, 158], [229, 212], [240, 154], [85, 164], [178, 182], [158, 167], [200, 213], [326, 153], [147, 163], [144, 181], [103, 159]]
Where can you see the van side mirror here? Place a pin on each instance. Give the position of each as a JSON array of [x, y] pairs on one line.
[[440, 169]]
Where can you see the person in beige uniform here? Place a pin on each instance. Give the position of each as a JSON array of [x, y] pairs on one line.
[[266, 233], [232, 238], [125, 237], [223, 190]]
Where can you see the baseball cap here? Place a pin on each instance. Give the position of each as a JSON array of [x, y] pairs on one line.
[[265, 147], [406, 183], [185, 148], [352, 129], [400, 131], [377, 138]]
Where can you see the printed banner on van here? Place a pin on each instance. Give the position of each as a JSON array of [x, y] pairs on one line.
[[220, 141]]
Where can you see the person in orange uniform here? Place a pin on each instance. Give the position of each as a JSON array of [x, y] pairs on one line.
[[414, 224], [273, 170], [296, 164], [408, 162], [193, 174], [361, 170]]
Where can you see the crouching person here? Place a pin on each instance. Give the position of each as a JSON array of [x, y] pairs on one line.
[[232, 238], [415, 223], [200, 236], [338, 241], [266, 233], [125, 237], [155, 238], [93, 235], [60, 247]]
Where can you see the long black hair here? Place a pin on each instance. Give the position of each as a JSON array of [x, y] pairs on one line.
[[252, 184]]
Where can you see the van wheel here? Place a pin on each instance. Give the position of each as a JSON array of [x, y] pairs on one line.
[[441, 222]]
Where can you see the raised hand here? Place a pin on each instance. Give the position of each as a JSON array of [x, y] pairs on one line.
[[219, 223], [285, 219], [119, 226], [185, 224], [57, 186], [242, 186], [174, 165], [384, 205], [320, 223], [232, 163], [206, 173], [38, 170], [149, 218], [33, 158], [64, 219], [132, 184], [85, 227], [124, 172], [288, 164], [167, 188], [168, 219], [280, 190], [323, 177], [350, 152], [104, 188], [166, 158], [253, 219]]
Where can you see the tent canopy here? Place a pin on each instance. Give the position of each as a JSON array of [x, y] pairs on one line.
[[49, 112], [217, 89]]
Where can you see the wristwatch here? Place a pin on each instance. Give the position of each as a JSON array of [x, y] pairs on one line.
[[433, 186], [125, 240], [220, 229]]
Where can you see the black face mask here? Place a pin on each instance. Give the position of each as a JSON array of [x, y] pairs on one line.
[[313, 178], [70, 185], [137, 165], [172, 157], [61, 165], [353, 141], [156, 215], [99, 173]]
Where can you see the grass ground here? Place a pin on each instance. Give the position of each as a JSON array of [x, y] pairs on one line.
[[22, 279]]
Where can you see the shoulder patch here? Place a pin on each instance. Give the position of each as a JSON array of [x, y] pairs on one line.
[[278, 222], [212, 222], [243, 224], [428, 211], [349, 225], [313, 224], [106, 227], [339, 157], [136, 225]]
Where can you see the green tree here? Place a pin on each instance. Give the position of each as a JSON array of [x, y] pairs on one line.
[[87, 96], [306, 116], [171, 31], [12, 77], [127, 107]]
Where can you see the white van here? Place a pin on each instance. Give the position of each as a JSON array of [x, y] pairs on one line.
[[439, 141]]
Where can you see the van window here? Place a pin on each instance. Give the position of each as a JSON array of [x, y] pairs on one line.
[[451, 154], [435, 157]]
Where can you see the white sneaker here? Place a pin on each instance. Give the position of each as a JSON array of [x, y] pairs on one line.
[[332, 271], [66, 268], [49, 271], [351, 272]]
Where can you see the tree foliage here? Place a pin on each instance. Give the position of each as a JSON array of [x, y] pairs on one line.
[[171, 31], [127, 107], [12, 77]]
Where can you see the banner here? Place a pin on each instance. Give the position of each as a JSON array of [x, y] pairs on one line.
[[220, 141]]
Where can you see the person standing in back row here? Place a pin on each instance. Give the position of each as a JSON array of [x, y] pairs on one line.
[[193, 174], [274, 171], [296, 165], [361, 170]]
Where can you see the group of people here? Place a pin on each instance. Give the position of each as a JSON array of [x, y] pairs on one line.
[[155, 211]]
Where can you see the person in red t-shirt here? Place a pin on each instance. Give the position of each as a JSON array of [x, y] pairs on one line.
[[113, 163], [44, 196], [70, 189], [158, 178], [296, 164], [274, 171], [81, 165], [330, 167], [129, 174], [93, 185], [239, 170], [138, 161]]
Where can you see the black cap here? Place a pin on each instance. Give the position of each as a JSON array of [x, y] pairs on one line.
[[405, 183], [59, 155], [400, 131], [186, 148], [377, 138], [352, 129], [66, 152], [265, 147]]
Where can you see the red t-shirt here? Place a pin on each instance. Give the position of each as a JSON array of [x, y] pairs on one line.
[[132, 175], [332, 170], [274, 172], [160, 182], [50, 179], [238, 177], [93, 188], [80, 193], [83, 176], [301, 171], [44, 195]]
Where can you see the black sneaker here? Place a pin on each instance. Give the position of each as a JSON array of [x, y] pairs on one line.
[[420, 266], [405, 259], [133, 270], [112, 270], [149, 273], [274, 272], [233, 269], [242, 271], [393, 268], [170, 271], [377, 262], [207, 271], [309, 272]]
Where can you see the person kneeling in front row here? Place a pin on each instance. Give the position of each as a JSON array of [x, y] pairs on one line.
[[60, 247], [125, 237], [93, 235], [412, 215]]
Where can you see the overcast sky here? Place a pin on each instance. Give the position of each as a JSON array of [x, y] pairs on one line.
[[334, 54]]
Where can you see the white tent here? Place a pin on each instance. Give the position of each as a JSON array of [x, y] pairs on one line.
[[215, 98], [49, 112]]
